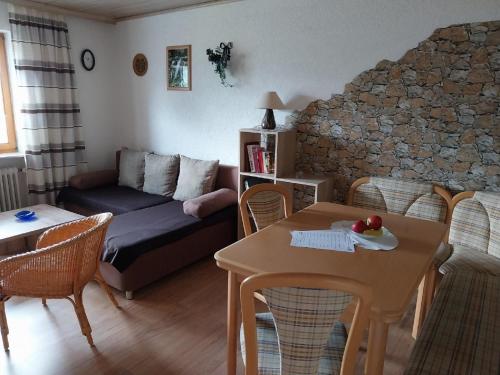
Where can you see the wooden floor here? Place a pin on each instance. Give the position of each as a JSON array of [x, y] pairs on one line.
[[175, 326]]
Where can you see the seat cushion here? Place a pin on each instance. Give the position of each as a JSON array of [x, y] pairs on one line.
[[461, 335], [196, 177], [468, 259], [132, 234], [114, 199], [131, 171], [268, 349]]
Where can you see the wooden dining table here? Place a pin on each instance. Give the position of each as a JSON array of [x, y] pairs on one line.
[[394, 275]]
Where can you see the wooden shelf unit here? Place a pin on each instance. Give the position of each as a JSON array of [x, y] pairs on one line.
[[284, 161]]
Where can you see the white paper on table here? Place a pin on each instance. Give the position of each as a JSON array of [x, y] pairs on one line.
[[387, 241], [323, 239]]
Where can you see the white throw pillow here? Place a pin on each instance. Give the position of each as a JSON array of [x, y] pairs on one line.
[[131, 168], [196, 177], [160, 174]]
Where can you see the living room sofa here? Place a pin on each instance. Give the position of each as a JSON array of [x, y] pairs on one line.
[[150, 235]]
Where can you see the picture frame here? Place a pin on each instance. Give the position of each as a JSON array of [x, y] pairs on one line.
[[179, 68]]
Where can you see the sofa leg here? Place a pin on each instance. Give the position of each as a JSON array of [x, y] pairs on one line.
[[129, 294]]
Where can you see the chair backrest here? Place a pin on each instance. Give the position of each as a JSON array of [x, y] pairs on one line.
[[410, 198], [82, 240], [268, 203], [65, 259], [304, 308], [475, 221]]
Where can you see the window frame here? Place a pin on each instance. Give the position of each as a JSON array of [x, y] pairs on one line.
[[11, 145]]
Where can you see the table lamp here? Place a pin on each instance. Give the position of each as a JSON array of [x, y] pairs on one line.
[[269, 101]]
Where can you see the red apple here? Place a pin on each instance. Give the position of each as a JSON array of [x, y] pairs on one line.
[[359, 226], [374, 222]]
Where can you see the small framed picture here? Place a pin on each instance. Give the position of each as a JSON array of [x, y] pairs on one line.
[[179, 68]]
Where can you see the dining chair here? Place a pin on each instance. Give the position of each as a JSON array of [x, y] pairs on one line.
[[409, 198], [65, 260], [474, 234], [267, 203], [301, 334]]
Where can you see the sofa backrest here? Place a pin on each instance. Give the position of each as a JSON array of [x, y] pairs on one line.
[[227, 176], [410, 198], [475, 222]]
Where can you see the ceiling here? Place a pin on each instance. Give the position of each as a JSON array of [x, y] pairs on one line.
[[116, 10]]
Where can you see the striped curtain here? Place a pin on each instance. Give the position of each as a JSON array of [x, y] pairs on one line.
[[47, 96]]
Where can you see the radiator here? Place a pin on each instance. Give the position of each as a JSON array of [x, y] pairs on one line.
[[10, 189]]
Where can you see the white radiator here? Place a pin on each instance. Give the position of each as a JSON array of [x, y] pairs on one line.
[[10, 189]]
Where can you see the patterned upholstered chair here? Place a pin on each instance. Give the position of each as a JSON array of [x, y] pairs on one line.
[[474, 233], [267, 203], [409, 198], [301, 335], [415, 199], [66, 259], [461, 334]]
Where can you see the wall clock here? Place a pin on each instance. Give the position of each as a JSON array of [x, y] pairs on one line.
[[88, 59], [140, 64]]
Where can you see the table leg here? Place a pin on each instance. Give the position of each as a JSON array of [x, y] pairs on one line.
[[424, 299], [232, 322], [377, 341]]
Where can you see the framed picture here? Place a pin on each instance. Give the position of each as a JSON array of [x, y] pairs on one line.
[[179, 68]]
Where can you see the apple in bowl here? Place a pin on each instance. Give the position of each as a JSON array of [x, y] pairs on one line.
[[371, 227], [374, 222], [359, 226]]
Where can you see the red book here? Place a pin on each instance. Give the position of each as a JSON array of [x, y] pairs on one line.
[[249, 160], [255, 152], [261, 160]]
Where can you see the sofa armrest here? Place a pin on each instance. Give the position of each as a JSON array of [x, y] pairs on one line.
[[94, 179], [207, 204]]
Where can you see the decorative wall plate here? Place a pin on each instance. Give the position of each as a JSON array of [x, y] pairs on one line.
[[140, 64]]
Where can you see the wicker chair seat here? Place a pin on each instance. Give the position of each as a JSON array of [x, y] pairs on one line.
[[269, 354]]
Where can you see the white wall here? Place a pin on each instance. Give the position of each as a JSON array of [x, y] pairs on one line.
[[96, 88], [303, 49]]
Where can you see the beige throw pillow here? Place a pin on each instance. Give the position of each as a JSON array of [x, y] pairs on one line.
[[196, 177], [160, 174], [131, 168]]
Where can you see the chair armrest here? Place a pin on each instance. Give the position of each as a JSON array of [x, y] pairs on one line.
[[94, 179], [443, 252]]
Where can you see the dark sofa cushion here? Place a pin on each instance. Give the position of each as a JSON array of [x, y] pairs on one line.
[[115, 199], [132, 234]]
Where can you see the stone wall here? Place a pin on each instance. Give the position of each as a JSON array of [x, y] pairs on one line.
[[433, 115]]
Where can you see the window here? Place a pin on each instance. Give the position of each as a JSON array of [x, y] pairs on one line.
[[7, 132]]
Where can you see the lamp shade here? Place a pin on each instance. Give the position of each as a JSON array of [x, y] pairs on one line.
[[270, 100]]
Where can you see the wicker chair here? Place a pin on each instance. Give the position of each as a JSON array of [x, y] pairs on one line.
[[268, 203], [301, 334], [66, 259]]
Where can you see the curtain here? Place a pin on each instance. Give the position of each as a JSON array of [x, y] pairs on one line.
[[47, 98]]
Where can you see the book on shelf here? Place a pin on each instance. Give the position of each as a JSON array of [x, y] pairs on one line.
[[268, 158], [249, 156], [259, 160]]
